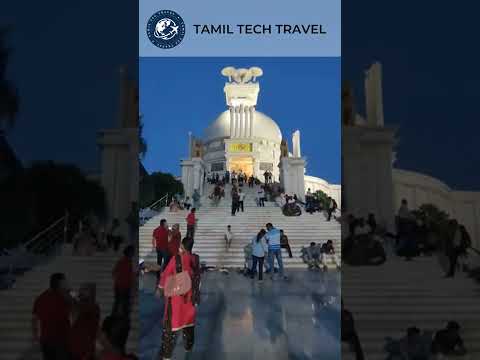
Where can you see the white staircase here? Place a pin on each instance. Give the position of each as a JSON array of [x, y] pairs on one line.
[[16, 304], [213, 221], [388, 299]]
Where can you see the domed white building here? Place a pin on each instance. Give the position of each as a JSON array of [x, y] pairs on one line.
[[244, 139]]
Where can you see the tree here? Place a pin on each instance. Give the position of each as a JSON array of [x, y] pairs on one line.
[[39, 195], [157, 185], [142, 148], [9, 101], [322, 197]]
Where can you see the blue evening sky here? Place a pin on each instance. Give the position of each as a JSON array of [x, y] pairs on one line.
[[178, 95]]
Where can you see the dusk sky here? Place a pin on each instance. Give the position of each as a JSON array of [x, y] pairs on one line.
[[66, 58], [431, 80], [188, 95]]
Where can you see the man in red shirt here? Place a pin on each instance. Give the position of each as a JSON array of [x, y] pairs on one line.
[[160, 244], [51, 315], [191, 222], [124, 280]]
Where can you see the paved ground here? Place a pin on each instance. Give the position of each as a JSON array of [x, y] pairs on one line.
[[241, 319]]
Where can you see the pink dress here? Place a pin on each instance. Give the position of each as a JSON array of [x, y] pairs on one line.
[[183, 310]]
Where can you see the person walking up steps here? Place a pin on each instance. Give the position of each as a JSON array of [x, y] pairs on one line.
[[228, 237], [235, 201], [261, 197], [191, 224], [274, 251], [196, 199], [160, 244], [241, 197]]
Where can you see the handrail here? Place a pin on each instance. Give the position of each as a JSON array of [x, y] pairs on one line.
[[157, 201], [29, 242]]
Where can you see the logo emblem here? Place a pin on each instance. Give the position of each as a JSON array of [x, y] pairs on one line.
[[165, 29]]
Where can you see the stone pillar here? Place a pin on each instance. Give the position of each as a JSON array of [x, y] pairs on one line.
[[367, 173], [296, 144], [242, 121], [373, 95], [190, 144], [119, 173], [247, 122], [292, 176], [187, 177], [252, 119], [232, 120], [237, 121]]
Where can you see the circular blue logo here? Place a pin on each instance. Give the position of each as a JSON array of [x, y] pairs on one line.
[[165, 29]]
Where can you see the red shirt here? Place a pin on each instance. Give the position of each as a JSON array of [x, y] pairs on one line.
[[53, 311], [123, 274], [160, 235], [174, 243], [191, 219], [83, 334]]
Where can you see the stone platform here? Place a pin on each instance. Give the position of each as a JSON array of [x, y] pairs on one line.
[[239, 318]]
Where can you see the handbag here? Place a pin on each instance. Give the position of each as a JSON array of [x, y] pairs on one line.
[[180, 283]]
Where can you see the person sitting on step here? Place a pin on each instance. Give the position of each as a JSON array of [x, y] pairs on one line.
[[311, 255], [448, 341], [328, 254]]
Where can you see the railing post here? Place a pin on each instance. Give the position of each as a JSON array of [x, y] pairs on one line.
[[65, 231]]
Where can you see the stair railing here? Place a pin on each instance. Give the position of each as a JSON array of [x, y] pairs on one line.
[[160, 203], [146, 213], [51, 238]]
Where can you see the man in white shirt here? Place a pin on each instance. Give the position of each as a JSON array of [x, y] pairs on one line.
[[261, 197], [228, 237], [241, 197]]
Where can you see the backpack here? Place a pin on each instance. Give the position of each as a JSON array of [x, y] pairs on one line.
[[180, 283]]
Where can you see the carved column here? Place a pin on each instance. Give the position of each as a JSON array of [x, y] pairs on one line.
[[252, 119], [237, 121], [242, 121], [232, 120]]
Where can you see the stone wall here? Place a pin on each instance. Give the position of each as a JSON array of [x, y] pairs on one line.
[[314, 183], [419, 189]]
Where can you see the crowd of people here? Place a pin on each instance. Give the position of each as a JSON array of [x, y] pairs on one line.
[[367, 243], [66, 323], [93, 236]]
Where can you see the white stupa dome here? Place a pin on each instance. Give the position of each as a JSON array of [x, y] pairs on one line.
[[263, 128]]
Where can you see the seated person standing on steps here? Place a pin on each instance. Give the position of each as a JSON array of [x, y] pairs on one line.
[[228, 237], [328, 253], [284, 243]]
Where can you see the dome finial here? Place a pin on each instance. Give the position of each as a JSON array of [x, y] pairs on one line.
[[242, 76]]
